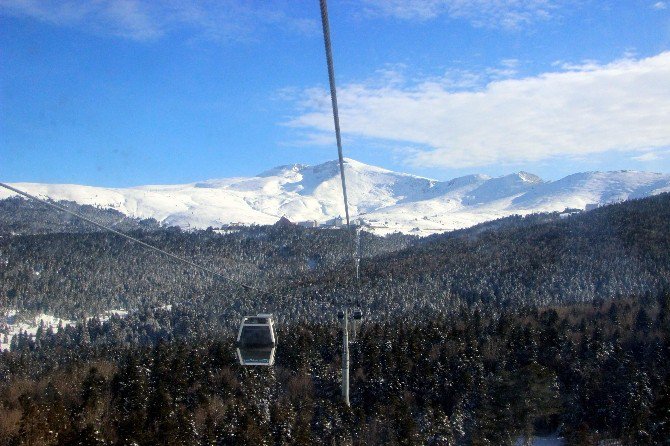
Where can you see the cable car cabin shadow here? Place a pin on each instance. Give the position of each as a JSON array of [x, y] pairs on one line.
[[256, 341]]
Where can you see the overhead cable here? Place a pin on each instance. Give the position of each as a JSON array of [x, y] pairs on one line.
[[333, 100]]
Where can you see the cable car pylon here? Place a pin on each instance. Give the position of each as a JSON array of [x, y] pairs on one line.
[[343, 315]]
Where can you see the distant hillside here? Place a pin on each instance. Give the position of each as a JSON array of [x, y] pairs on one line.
[[19, 216], [390, 201], [615, 251]]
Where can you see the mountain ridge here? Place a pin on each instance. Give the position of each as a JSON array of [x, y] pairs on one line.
[[390, 201]]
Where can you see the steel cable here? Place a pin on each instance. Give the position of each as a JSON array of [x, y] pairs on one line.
[[333, 100]]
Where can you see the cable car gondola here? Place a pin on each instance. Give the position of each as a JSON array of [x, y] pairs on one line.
[[256, 341], [357, 315]]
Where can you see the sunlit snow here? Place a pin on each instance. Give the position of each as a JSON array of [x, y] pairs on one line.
[[387, 200], [13, 323]]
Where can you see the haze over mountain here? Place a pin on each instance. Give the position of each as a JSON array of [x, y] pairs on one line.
[[380, 197]]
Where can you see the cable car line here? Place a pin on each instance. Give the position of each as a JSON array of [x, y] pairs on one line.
[[135, 240], [333, 100], [336, 119], [343, 316]]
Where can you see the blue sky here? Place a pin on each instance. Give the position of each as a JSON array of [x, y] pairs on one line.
[[130, 92]]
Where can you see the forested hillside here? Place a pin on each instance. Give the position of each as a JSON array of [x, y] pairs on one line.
[[614, 251], [516, 328], [19, 216], [586, 372]]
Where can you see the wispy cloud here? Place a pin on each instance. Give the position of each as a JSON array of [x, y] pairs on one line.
[[144, 20], [484, 13], [660, 5], [573, 112], [652, 156]]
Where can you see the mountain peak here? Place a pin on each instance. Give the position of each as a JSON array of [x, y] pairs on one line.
[[355, 164], [528, 177], [283, 170], [391, 200], [328, 168], [468, 180]]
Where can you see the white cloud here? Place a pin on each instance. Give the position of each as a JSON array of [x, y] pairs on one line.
[[620, 106], [652, 156], [507, 69], [488, 13], [148, 19], [646, 157], [660, 5]]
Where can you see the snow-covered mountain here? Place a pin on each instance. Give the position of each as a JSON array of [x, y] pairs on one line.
[[380, 197]]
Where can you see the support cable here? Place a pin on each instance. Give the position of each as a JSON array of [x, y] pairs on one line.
[[336, 119], [333, 99]]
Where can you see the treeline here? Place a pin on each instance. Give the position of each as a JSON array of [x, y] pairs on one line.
[[613, 251], [618, 250], [74, 274], [587, 372], [21, 216]]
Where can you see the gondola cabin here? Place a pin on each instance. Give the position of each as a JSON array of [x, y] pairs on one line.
[[357, 315], [256, 340]]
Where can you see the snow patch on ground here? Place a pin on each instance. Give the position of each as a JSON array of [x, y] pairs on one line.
[[552, 440], [13, 323], [107, 315]]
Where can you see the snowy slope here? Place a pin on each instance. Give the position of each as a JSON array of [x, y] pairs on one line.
[[12, 325], [380, 197]]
